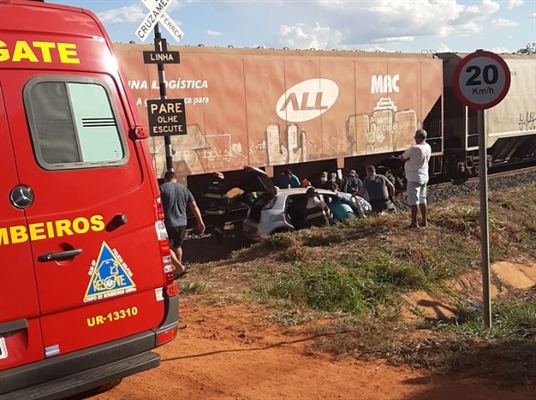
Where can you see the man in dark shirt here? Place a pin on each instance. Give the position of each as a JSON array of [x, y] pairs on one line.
[[380, 191], [352, 183], [175, 199], [288, 180]]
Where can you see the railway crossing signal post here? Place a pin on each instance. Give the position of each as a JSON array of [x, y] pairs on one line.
[[481, 81], [167, 117]]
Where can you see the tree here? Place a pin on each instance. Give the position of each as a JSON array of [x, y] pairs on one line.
[[530, 48]]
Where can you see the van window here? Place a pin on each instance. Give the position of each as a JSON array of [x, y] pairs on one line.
[[73, 123]]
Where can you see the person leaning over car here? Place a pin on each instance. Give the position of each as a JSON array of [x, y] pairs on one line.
[[346, 205], [380, 191], [352, 183], [288, 180]]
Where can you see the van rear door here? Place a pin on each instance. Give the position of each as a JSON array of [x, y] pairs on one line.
[[20, 333], [91, 225]]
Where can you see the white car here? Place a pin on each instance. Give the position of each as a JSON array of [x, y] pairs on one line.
[[281, 210]]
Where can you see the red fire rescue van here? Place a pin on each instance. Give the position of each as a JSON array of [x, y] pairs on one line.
[[86, 283]]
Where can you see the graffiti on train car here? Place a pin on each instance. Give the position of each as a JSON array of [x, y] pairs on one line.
[[385, 129], [527, 121], [516, 114], [263, 109]]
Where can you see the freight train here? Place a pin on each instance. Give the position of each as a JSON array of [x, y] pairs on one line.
[[314, 111]]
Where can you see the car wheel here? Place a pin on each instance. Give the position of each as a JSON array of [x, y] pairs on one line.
[[281, 230]]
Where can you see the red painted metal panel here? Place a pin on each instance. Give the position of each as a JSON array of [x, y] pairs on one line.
[[264, 84], [274, 107]]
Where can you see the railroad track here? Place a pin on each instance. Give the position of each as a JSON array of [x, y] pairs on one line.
[[493, 173]]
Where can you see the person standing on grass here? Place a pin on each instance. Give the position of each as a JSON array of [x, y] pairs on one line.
[[416, 160], [175, 200]]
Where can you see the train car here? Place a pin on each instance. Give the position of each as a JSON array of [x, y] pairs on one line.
[[510, 126], [305, 110]]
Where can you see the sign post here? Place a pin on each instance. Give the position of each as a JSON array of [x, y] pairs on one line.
[[481, 81], [166, 116]]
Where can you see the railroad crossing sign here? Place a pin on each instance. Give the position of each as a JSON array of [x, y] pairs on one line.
[[166, 117], [158, 14], [161, 54], [481, 80]]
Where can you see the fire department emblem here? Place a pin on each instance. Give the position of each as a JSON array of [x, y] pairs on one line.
[[109, 276]]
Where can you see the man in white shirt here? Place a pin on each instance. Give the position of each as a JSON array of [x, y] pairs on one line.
[[416, 160]]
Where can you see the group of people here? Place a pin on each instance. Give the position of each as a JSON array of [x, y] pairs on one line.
[[353, 194], [375, 189]]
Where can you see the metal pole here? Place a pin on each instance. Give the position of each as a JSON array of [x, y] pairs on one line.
[[162, 85], [484, 232]]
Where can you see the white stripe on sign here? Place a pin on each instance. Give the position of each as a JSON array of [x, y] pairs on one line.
[[167, 21], [151, 19]]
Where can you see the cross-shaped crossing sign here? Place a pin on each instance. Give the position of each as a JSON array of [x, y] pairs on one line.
[[158, 14]]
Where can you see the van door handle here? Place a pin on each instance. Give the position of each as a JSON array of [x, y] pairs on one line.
[[61, 255]]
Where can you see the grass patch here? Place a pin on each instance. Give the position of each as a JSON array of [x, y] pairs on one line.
[[506, 355], [194, 287], [356, 273], [349, 284], [512, 320]]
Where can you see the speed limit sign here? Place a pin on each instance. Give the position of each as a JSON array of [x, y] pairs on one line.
[[481, 80]]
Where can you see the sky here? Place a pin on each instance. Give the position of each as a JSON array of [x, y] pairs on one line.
[[501, 26]]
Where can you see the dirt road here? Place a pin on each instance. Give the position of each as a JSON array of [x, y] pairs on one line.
[[231, 352]]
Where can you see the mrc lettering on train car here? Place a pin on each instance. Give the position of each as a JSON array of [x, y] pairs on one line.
[[384, 83]]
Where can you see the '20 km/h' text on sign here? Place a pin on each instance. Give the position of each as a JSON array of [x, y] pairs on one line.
[[166, 117], [481, 80]]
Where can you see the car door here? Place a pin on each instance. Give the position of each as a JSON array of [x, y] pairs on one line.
[[91, 224], [20, 333]]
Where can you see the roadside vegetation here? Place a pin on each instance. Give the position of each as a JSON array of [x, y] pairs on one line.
[[365, 288]]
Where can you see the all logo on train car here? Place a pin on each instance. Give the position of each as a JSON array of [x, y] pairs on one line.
[[307, 100]]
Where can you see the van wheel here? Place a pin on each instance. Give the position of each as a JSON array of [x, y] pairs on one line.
[[93, 392]]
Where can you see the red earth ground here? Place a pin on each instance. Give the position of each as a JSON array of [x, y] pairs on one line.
[[232, 352]]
